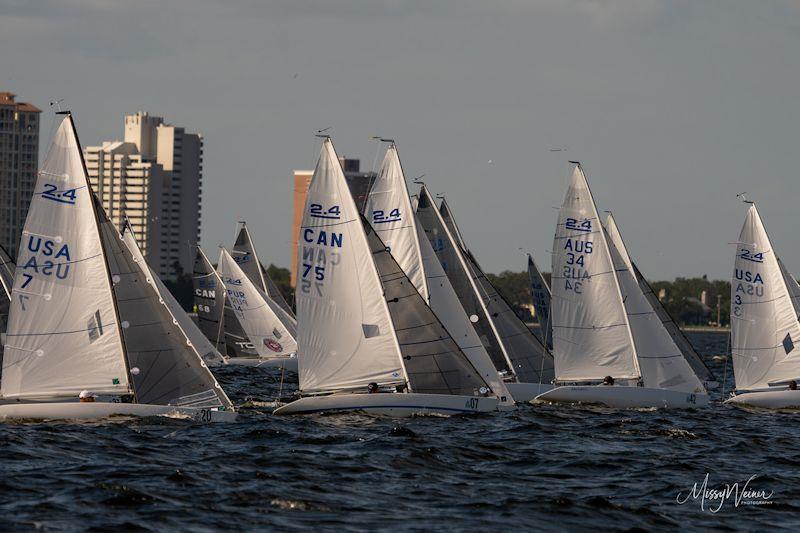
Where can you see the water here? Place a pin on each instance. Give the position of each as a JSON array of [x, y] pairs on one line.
[[535, 468]]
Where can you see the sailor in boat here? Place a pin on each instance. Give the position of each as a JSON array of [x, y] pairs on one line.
[[608, 380], [372, 388], [793, 385], [86, 396]]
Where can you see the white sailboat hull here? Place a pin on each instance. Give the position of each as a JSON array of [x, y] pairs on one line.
[[98, 410], [624, 397], [388, 404], [289, 363], [525, 392], [784, 399]]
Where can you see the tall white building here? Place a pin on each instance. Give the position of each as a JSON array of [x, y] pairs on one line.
[[154, 177]]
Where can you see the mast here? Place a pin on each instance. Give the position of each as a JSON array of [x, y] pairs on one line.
[[95, 200]]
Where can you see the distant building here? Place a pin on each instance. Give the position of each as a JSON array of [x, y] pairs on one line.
[[359, 182], [154, 177], [19, 162]]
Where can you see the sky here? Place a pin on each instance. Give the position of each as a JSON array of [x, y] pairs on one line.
[[672, 107]]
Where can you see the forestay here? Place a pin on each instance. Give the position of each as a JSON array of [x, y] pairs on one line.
[[255, 311], [388, 209], [764, 327], [63, 335], [661, 362], [433, 361], [532, 363], [200, 343], [446, 250], [591, 338], [209, 300], [244, 253], [165, 367], [540, 293], [345, 335]]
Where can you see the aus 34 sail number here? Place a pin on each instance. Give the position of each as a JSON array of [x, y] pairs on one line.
[[574, 269]]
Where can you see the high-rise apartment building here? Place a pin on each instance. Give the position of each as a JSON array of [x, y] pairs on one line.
[[360, 183], [19, 161], [154, 177]]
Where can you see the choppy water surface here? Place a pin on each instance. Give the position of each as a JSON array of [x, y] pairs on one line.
[[539, 467]]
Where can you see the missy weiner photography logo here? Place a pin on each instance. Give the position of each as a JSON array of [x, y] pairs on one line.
[[713, 499]]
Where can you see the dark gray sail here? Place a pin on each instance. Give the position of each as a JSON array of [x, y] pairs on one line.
[[244, 253], [164, 368], [209, 300], [540, 294], [459, 277], [678, 337], [433, 361], [532, 362]]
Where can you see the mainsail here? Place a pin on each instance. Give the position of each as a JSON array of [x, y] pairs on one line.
[[63, 331], [255, 311], [661, 362], [433, 361], [165, 367], [591, 335], [689, 353], [792, 286], [345, 336], [209, 300], [540, 294], [388, 210], [531, 361], [764, 326], [244, 253]]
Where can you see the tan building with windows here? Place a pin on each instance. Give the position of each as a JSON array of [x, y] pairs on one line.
[[19, 163], [154, 177]]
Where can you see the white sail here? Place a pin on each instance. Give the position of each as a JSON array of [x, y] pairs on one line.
[[255, 311], [202, 346], [445, 304], [345, 335], [245, 255], [540, 294], [389, 211], [63, 332], [661, 362], [591, 337], [764, 327]]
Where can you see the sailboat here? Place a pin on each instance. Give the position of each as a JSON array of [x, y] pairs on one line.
[[84, 320], [522, 360], [209, 302], [540, 293], [604, 328], [367, 341], [259, 317], [390, 212], [244, 252], [764, 323]]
